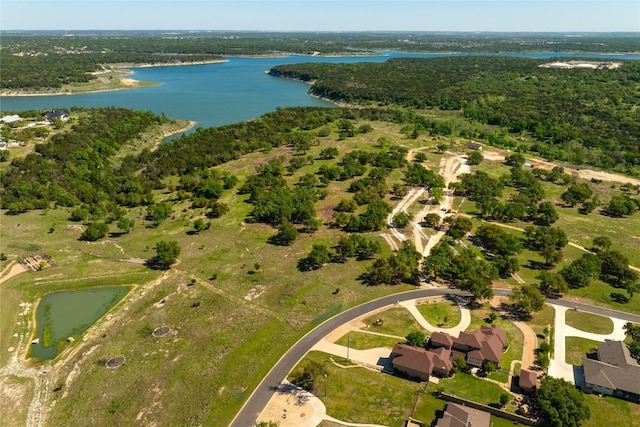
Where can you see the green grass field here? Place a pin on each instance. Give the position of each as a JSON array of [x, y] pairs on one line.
[[577, 348], [589, 322], [360, 395], [609, 411], [397, 321], [472, 388], [364, 341], [441, 314]]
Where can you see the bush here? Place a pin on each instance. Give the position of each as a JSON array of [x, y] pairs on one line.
[[95, 231]]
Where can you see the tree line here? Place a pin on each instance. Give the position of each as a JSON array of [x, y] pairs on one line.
[[577, 116]]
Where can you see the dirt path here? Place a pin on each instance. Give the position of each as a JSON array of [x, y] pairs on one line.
[[530, 343], [587, 174], [14, 269]]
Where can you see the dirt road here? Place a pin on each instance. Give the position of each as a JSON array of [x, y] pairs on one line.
[[587, 174]]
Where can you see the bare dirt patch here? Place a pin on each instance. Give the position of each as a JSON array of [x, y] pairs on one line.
[[115, 362], [161, 331]]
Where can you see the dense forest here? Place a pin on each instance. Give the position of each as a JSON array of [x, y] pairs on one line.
[[582, 116], [49, 59]]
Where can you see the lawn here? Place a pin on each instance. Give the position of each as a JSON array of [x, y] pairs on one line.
[[601, 294], [543, 319], [470, 387], [442, 314], [609, 411], [359, 395], [365, 341], [589, 322], [577, 348], [396, 321]]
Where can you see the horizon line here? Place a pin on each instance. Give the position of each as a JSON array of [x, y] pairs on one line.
[[334, 31]]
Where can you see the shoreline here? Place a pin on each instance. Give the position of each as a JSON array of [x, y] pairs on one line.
[[124, 70], [125, 87], [186, 128]]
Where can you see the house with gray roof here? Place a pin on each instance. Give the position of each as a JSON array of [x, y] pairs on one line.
[[456, 415], [614, 373]]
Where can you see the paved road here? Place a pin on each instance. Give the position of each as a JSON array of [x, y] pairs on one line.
[[265, 390]]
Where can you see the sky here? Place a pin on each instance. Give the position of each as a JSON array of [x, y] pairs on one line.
[[327, 15]]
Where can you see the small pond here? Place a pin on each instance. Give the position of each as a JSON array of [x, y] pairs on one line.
[[61, 315]]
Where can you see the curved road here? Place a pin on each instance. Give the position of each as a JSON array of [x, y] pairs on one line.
[[258, 400]]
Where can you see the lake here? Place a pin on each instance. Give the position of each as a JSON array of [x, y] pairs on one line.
[[224, 93], [68, 314]]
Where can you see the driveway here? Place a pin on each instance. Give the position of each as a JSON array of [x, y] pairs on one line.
[[558, 367]]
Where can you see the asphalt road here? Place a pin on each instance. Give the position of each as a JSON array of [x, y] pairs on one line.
[[266, 389]]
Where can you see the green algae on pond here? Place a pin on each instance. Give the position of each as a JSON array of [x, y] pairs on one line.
[[61, 315]]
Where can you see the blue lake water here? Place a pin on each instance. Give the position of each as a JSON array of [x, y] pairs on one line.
[[218, 94]]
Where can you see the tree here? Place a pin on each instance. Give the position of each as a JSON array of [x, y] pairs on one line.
[[329, 153], [515, 159], [504, 399], [633, 332], [346, 205], [416, 339], [615, 268], [543, 360], [95, 231], [552, 283], [621, 205], [562, 403], [442, 147], [420, 157], [527, 299], [548, 241], [498, 241], [79, 214], [579, 273], [167, 252], [4, 155], [490, 366], [401, 220], [632, 287], [506, 265], [318, 256], [602, 242], [307, 376], [432, 220], [200, 225], [547, 213], [577, 193], [285, 236], [460, 362], [474, 158], [126, 224], [158, 212], [436, 194], [458, 226]]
